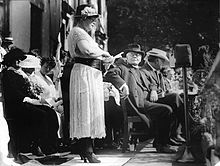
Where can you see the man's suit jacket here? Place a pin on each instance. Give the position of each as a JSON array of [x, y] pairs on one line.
[[139, 85], [153, 78]]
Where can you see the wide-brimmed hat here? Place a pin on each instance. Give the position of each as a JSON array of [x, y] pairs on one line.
[[85, 11], [13, 55], [133, 48], [30, 62], [157, 53]]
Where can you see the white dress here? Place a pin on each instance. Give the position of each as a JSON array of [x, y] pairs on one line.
[[86, 92], [49, 93]]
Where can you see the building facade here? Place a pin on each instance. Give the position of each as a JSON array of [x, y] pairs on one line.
[[36, 24]]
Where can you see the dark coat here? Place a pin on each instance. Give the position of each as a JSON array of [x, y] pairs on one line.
[[26, 121], [153, 78], [139, 91], [15, 89], [172, 99], [139, 86]]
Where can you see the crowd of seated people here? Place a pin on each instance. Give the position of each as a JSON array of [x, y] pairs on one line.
[[160, 88], [32, 125], [131, 80], [36, 115]]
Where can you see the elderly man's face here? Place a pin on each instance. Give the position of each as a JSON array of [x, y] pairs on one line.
[[133, 58]]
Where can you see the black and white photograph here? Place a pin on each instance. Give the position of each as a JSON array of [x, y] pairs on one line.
[[110, 82]]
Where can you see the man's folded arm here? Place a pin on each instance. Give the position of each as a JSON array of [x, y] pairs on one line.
[[113, 76]]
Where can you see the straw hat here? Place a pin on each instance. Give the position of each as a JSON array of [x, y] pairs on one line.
[[30, 62], [157, 53]]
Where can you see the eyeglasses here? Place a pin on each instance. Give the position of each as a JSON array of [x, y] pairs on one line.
[[134, 54]]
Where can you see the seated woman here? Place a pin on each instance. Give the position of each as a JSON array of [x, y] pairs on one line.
[[47, 91], [30, 118]]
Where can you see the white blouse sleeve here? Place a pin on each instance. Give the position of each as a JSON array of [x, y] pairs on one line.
[[87, 46]]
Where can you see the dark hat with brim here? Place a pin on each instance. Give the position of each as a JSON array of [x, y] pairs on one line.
[[134, 48]]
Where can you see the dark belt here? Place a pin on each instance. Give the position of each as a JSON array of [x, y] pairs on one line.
[[95, 63]]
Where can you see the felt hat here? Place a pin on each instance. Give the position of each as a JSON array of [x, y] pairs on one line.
[[85, 11], [133, 48], [30, 62], [157, 53]]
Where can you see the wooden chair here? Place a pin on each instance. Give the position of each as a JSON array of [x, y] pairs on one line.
[[129, 123]]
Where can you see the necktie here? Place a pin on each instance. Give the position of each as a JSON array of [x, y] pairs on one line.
[[160, 80]]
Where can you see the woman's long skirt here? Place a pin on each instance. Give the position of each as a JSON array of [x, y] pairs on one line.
[[86, 102]]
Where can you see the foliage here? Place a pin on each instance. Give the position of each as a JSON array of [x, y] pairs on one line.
[[162, 23]]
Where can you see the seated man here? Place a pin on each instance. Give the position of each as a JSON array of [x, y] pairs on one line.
[[154, 61], [132, 83]]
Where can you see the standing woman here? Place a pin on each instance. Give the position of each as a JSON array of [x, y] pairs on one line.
[[86, 83]]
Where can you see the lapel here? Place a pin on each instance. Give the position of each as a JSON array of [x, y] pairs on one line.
[[134, 73], [161, 81], [143, 78]]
